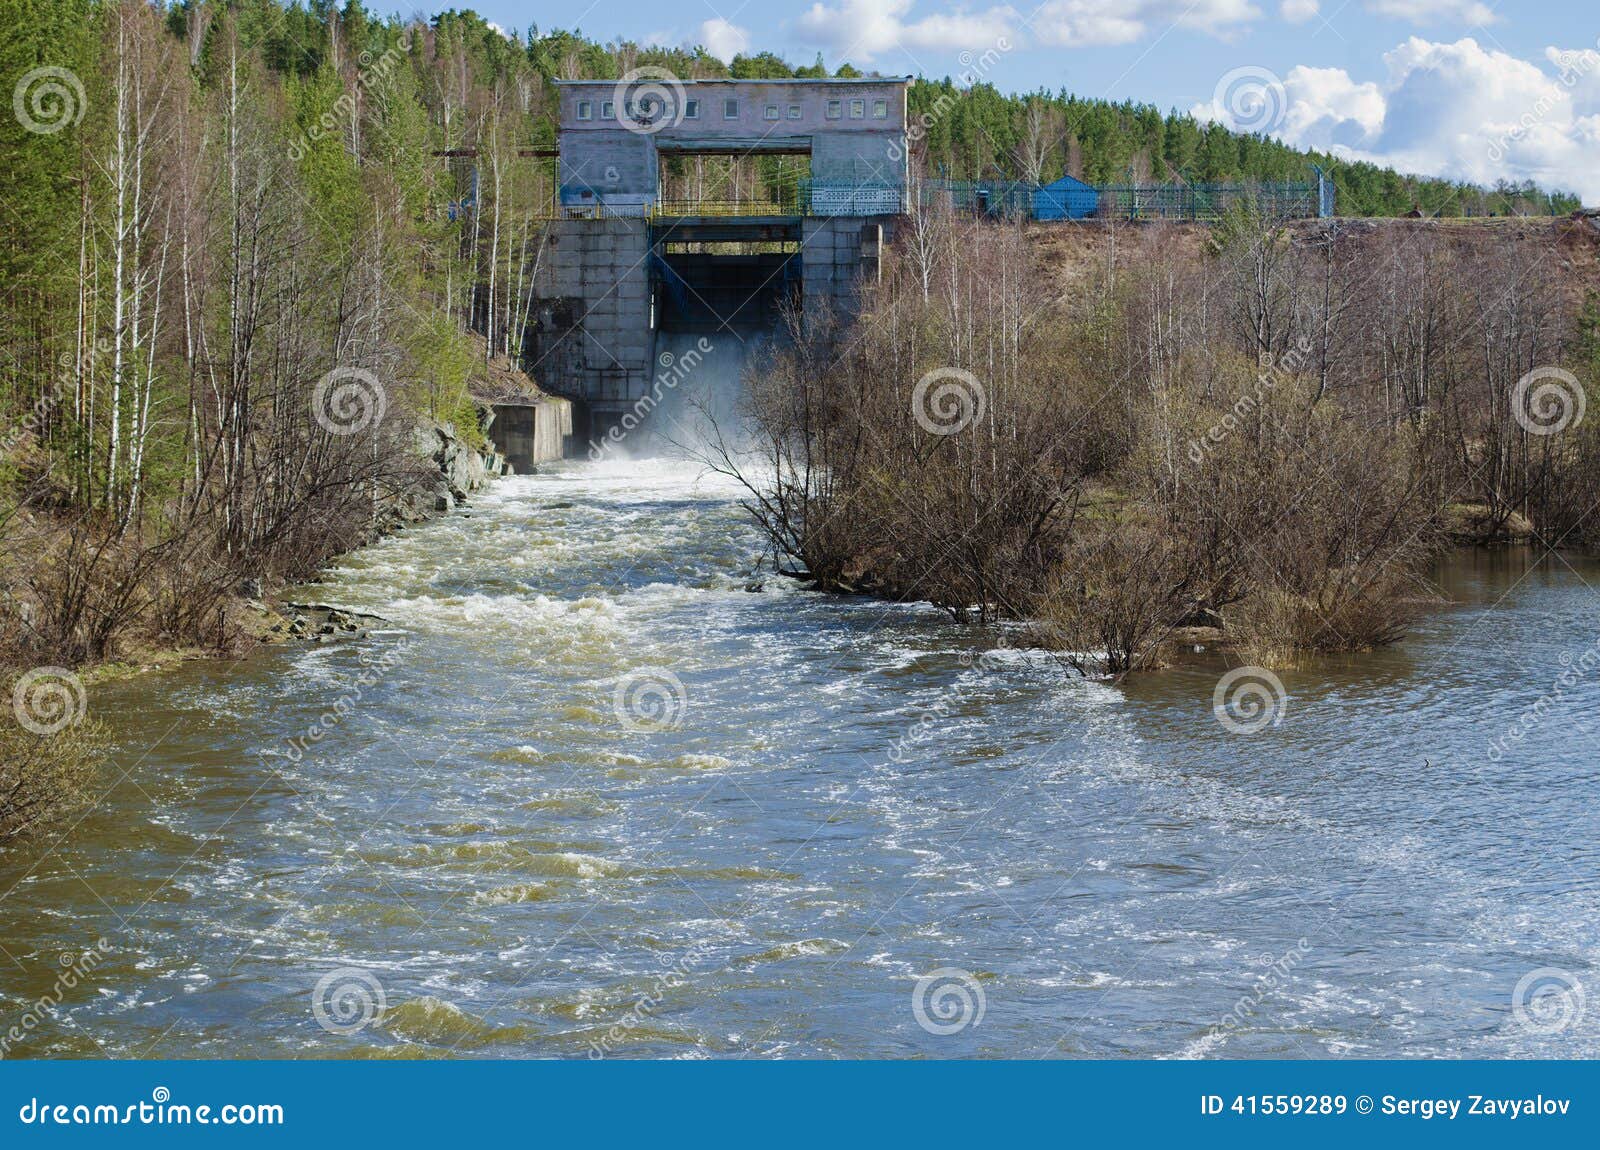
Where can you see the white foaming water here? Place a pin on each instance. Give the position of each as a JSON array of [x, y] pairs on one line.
[[519, 850]]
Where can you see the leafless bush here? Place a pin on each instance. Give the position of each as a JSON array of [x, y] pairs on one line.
[[44, 777]]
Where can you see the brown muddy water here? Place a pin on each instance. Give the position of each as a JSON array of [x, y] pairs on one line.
[[590, 794]]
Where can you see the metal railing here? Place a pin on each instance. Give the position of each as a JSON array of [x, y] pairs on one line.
[[785, 204]]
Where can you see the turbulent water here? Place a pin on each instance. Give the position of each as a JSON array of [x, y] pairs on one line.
[[601, 787]]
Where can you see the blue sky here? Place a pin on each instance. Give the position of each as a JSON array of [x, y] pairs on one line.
[[1464, 88]]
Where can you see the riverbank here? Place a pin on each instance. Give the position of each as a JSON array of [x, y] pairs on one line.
[[1270, 427], [258, 615]]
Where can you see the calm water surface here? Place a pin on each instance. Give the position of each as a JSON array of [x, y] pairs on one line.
[[478, 837]]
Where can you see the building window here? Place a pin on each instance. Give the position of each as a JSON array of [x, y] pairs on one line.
[[858, 109], [691, 109], [880, 109], [608, 110], [585, 110], [835, 109], [794, 111], [730, 109], [772, 111]]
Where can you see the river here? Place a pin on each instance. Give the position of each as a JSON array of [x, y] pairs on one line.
[[601, 788]]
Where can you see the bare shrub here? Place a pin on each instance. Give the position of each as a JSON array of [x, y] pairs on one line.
[[1117, 595], [45, 777]]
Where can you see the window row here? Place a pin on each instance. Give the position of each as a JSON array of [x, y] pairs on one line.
[[730, 110]]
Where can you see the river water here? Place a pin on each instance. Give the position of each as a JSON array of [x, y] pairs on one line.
[[602, 788]]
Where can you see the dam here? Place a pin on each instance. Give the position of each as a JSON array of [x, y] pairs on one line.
[[627, 270]]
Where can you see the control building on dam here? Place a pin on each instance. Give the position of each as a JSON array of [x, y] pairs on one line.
[[623, 264]]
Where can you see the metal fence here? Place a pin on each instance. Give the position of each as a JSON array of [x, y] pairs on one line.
[[1008, 199], [1003, 199]]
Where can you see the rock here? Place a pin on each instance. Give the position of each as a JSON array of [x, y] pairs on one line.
[[443, 500], [250, 588]]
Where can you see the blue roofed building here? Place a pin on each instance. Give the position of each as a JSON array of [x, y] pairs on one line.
[[1068, 198]]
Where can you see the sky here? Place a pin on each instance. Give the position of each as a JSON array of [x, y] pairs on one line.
[[1469, 89]]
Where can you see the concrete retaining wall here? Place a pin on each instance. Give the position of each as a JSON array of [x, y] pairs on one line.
[[531, 433]]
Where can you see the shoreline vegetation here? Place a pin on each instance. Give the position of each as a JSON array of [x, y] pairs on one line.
[[250, 284], [1261, 434]]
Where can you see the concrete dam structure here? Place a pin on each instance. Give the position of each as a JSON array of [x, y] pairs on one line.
[[626, 272]]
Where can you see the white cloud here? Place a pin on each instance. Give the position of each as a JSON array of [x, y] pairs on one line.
[[723, 39], [1084, 23], [865, 29], [1298, 11], [1435, 11], [1456, 110]]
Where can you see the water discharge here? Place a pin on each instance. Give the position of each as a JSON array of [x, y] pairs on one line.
[[622, 794]]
